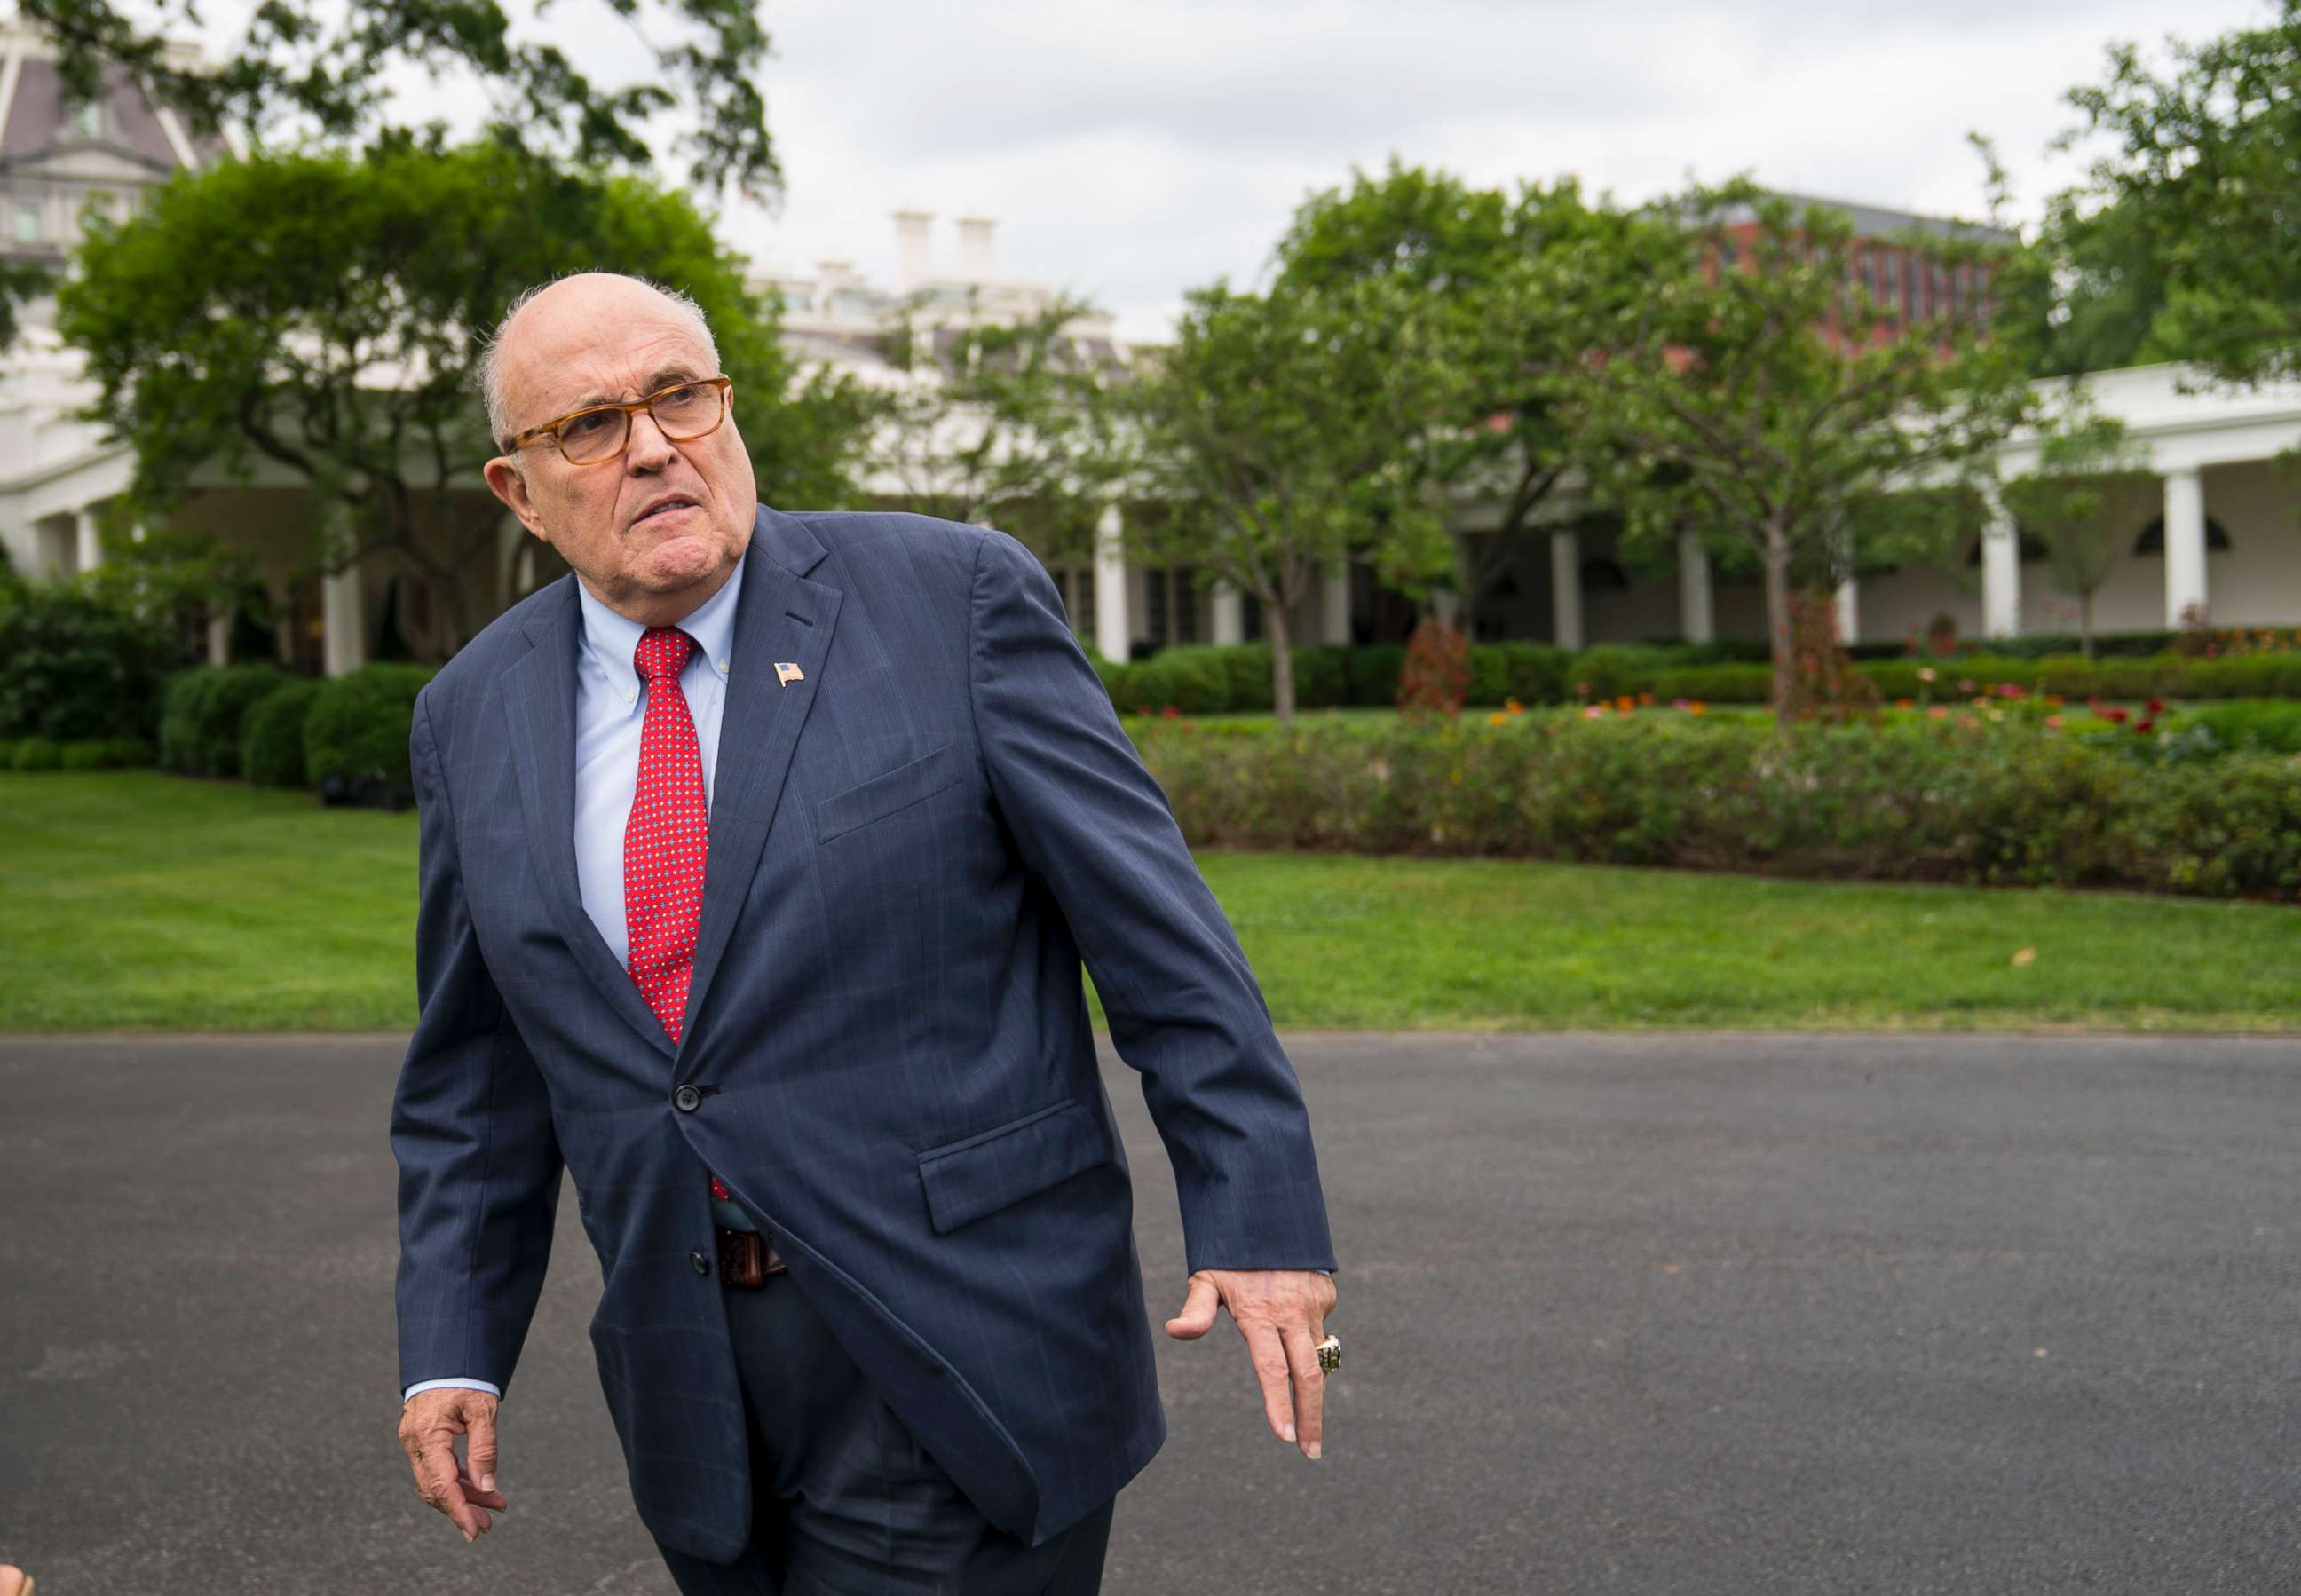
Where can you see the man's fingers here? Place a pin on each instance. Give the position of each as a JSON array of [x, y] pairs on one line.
[[1198, 1314], [1309, 1387], [479, 1449], [1269, 1355], [493, 1500], [437, 1477]]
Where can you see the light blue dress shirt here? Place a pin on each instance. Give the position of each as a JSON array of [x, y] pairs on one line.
[[610, 711]]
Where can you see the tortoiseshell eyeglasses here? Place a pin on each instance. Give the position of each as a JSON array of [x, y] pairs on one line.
[[599, 432]]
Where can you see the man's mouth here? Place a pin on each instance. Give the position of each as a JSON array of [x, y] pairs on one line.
[[653, 511]]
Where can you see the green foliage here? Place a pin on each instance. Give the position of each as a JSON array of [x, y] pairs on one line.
[[75, 665], [272, 736], [2176, 245], [201, 723], [1753, 394], [239, 317], [355, 735], [1284, 432], [2273, 727], [301, 69], [1194, 681], [1465, 252], [36, 754], [1908, 800], [126, 753]]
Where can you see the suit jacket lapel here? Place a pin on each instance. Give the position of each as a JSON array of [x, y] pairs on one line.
[[538, 697], [781, 617]]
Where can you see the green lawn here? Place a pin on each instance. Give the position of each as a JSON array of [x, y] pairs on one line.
[[137, 900]]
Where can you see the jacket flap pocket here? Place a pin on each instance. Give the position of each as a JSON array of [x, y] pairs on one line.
[[965, 1180], [886, 792]]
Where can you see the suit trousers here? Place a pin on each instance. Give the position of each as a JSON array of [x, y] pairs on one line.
[[845, 1501]]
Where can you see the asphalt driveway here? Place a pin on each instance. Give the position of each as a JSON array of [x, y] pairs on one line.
[[1628, 1313]]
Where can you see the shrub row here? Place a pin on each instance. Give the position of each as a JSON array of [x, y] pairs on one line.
[[1209, 679], [1920, 800], [46, 754], [75, 667], [347, 736]]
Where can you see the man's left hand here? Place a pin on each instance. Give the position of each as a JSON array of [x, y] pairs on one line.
[[1281, 1313]]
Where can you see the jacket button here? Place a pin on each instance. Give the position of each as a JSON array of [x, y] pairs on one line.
[[702, 1265], [687, 1098]]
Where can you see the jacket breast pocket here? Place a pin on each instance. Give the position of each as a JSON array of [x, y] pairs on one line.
[[885, 793], [967, 1179]]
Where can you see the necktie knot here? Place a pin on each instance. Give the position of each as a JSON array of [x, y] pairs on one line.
[[663, 651]]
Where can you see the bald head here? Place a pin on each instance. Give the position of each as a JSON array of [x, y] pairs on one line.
[[545, 319]]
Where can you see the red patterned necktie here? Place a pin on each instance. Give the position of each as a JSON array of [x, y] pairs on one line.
[[667, 837]]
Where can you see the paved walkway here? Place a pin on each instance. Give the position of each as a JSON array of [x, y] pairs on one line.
[[1646, 1314]]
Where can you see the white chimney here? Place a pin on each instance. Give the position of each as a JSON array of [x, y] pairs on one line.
[[977, 260], [915, 249]]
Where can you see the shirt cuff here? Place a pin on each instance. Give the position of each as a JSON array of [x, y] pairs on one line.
[[459, 1385]]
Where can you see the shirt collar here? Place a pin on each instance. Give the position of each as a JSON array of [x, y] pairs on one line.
[[612, 639]]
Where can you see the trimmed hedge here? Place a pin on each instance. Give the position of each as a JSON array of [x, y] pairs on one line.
[[36, 754], [1909, 800], [122, 753], [1209, 679], [356, 736], [200, 722], [272, 736], [76, 666]]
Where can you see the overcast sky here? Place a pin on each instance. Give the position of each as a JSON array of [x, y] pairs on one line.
[[1133, 148], [1130, 149]]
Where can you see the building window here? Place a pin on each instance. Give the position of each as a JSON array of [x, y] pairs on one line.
[[1170, 606], [27, 221], [88, 119]]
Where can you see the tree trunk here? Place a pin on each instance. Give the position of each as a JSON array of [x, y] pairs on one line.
[[1282, 661], [2084, 625], [1778, 617]]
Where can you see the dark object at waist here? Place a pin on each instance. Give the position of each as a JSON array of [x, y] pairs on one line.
[[746, 1258]]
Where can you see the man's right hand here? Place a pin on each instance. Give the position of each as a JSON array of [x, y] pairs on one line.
[[428, 1427]]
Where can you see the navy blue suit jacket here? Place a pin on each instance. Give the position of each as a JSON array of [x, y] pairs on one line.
[[912, 847]]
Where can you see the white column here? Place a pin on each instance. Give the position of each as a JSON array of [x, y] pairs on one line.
[[343, 621], [1229, 615], [219, 638], [1334, 604], [1848, 605], [1698, 614], [2001, 569], [1566, 589], [89, 552], [2185, 544], [1110, 631]]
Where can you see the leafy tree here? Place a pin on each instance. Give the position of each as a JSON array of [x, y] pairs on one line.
[[1285, 433], [1752, 392], [306, 69], [2183, 242], [2083, 460], [1017, 423], [323, 313], [1465, 250]]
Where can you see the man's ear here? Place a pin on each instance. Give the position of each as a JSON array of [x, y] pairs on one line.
[[507, 482]]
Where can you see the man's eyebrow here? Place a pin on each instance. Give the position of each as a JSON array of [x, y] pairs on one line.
[[656, 381]]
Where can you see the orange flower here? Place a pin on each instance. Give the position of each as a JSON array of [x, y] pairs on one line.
[[1904, 703], [1497, 719], [1698, 707]]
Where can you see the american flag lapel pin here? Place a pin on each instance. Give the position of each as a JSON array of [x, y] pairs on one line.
[[786, 672]]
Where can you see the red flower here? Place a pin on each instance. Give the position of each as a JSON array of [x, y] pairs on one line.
[[2114, 714], [2155, 706], [1170, 712], [2141, 726]]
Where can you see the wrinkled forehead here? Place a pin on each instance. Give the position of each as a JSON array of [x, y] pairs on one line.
[[558, 357]]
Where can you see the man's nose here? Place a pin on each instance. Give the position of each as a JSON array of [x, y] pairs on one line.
[[649, 449]]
